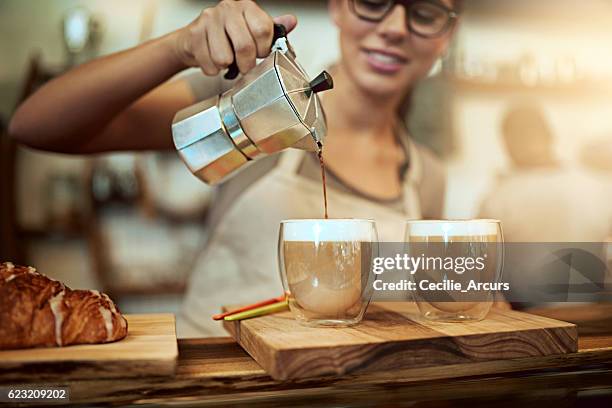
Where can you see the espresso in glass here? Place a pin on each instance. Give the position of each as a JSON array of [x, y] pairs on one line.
[[326, 268], [465, 254]]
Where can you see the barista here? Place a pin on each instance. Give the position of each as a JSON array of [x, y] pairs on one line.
[[124, 101]]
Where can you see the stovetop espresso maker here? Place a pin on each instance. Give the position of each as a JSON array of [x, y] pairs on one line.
[[271, 108]]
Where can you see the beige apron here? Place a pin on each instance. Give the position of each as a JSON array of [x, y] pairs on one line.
[[239, 265]]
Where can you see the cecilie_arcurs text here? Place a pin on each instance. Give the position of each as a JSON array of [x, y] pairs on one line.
[[447, 285]]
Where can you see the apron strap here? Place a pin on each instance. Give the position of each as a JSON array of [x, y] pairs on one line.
[[413, 179], [290, 161], [415, 172]]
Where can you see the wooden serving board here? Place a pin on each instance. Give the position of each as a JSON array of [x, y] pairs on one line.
[[150, 348], [392, 336]]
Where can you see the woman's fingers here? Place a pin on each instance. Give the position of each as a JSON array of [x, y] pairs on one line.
[[288, 20], [245, 49], [261, 27], [201, 54], [221, 52]]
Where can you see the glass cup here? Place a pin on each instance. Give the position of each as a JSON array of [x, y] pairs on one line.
[[326, 269], [460, 267]]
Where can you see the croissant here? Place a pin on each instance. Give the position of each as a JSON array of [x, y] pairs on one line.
[[36, 311]]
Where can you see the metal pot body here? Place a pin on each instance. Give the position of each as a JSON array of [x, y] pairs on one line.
[[272, 108]]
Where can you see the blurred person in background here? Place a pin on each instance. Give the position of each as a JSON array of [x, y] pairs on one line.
[[125, 101], [540, 199]]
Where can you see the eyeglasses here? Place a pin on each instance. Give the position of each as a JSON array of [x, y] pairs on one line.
[[426, 18]]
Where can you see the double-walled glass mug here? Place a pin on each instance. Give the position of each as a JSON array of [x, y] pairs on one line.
[[457, 267], [326, 269]]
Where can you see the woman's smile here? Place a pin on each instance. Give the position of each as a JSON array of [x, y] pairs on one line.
[[384, 61]]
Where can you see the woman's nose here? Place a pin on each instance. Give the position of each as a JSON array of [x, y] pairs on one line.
[[394, 27]]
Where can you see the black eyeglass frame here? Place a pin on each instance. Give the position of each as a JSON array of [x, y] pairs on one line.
[[453, 15]]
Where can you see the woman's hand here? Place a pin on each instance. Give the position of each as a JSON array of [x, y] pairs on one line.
[[238, 30]]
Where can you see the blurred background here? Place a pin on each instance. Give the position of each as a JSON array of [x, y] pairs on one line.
[[526, 86]]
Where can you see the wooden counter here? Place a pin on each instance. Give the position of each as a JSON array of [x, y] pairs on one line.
[[217, 372]]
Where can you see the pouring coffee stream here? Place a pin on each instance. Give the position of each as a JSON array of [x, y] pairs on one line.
[[323, 181]]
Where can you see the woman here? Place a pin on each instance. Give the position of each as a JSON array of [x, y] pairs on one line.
[[123, 102]]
